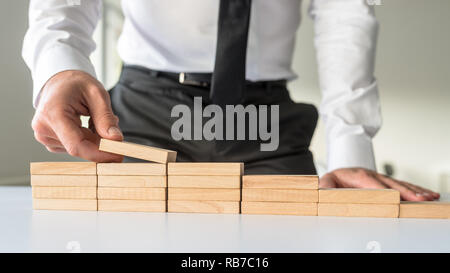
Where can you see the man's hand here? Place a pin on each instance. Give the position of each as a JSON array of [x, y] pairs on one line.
[[362, 178], [57, 125]]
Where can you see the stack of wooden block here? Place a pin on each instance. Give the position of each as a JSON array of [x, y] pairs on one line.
[[204, 187], [139, 187], [64, 185], [280, 194], [359, 202]]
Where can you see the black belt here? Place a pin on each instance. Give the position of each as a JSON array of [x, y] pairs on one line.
[[201, 79]]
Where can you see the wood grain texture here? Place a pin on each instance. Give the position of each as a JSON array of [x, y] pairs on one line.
[[64, 192], [107, 193], [122, 181], [138, 151], [64, 204], [199, 181], [203, 206], [279, 208], [188, 194], [132, 205], [305, 182], [64, 180], [280, 195], [358, 210], [359, 196], [64, 168], [131, 169], [425, 210], [206, 168]]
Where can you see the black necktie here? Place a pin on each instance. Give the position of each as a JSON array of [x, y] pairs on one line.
[[228, 81]]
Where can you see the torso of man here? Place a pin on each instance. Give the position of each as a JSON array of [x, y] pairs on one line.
[[180, 36]]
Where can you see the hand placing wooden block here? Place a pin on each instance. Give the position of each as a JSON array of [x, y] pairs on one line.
[[300, 182], [63, 168], [131, 169], [205, 182], [64, 180], [359, 196], [132, 205], [358, 210], [187, 194], [64, 192], [64, 204], [122, 181], [138, 151], [425, 210], [107, 193], [279, 208], [280, 195], [203, 206], [197, 168]]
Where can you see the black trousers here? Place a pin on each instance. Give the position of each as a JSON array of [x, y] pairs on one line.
[[143, 103]]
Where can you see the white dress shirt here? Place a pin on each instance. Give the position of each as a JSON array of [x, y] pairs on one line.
[[180, 36]]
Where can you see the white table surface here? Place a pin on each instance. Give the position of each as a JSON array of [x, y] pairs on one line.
[[25, 230]]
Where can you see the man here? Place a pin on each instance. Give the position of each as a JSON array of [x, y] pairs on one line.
[[175, 51]]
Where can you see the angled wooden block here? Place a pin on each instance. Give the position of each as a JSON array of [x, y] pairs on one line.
[[280, 208], [203, 206], [107, 193], [188, 194], [131, 169], [122, 181], [64, 204], [132, 205], [205, 182], [64, 192], [359, 196], [429, 209], [358, 210], [280, 195], [64, 168], [300, 182], [205, 168], [138, 151], [64, 180]]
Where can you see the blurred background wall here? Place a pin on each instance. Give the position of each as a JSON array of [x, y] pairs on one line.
[[412, 67]]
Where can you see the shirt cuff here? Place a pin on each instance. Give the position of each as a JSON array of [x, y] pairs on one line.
[[351, 151], [54, 60]]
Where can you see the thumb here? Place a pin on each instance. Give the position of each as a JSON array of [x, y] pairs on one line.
[[327, 181], [105, 122]]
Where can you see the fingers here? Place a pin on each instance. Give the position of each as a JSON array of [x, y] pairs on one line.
[[430, 195], [406, 193], [102, 116]]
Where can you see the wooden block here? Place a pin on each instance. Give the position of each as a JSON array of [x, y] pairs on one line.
[[138, 151], [64, 192], [359, 196], [122, 181], [107, 193], [425, 210], [197, 168], [279, 195], [64, 180], [301, 182], [64, 204], [131, 169], [205, 182], [186, 194], [132, 205], [203, 206], [358, 210], [280, 208], [65, 168]]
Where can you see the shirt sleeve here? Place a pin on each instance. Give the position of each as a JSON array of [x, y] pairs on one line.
[[59, 38], [345, 40]]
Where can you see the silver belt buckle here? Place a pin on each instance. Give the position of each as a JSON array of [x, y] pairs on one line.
[[182, 79]]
